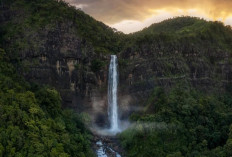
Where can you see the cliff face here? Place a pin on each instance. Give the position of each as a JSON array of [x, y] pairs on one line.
[[71, 53], [187, 51], [64, 61], [167, 65], [59, 55]]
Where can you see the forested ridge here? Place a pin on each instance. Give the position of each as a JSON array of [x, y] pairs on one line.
[[192, 30], [42, 15], [179, 121], [186, 119]]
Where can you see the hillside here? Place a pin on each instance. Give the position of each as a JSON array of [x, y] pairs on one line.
[[185, 49], [21, 19], [33, 122], [178, 73], [194, 30], [175, 83], [52, 43]]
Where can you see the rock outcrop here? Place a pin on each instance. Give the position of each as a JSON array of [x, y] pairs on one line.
[[166, 65]]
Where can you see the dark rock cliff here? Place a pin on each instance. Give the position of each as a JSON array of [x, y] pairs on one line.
[[58, 55], [165, 65], [64, 61]]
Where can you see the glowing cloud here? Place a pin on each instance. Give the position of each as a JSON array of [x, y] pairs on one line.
[[132, 15]]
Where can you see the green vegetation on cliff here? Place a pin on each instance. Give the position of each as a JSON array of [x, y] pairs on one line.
[[32, 122], [182, 122], [29, 18], [190, 30]]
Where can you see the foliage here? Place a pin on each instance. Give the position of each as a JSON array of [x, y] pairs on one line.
[[32, 121], [181, 122], [49, 15], [182, 30], [97, 65]]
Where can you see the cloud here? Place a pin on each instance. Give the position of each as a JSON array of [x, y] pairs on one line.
[[114, 12], [129, 26], [228, 21]]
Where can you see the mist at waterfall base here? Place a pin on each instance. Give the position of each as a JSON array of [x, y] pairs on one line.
[[115, 124]]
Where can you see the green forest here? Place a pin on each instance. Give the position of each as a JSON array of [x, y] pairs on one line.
[[181, 122], [32, 121]]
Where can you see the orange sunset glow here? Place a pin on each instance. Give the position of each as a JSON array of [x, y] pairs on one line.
[[133, 15]]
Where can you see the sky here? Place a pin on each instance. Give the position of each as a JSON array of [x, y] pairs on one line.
[[133, 15]]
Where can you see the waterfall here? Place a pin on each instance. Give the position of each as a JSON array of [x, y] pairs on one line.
[[102, 149], [112, 95]]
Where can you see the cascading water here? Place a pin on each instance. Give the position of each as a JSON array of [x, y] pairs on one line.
[[112, 109], [112, 95]]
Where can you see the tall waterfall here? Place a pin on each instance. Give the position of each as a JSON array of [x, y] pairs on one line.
[[102, 149], [112, 94]]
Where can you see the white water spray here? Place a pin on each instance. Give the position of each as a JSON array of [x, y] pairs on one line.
[[112, 95]]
